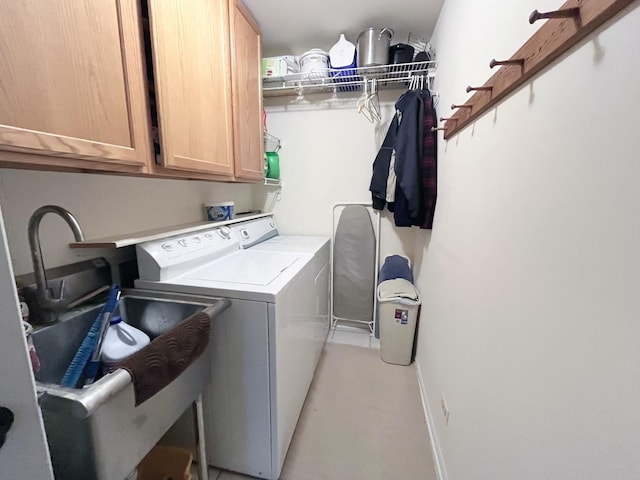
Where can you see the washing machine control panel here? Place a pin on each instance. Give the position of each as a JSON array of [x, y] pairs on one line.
[[206, 242], [255, 231], [167, 257], [176, 254]]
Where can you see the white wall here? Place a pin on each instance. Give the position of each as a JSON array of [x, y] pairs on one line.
[[104, 205], [327, 157], [531, 276], [25, 453]]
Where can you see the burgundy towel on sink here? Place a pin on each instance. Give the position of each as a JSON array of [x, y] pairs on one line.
[[167, 356]]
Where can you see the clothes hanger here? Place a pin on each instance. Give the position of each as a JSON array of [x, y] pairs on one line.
[[374, 101], [362, 104]]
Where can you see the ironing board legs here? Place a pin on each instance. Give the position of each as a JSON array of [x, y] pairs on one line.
[[198, 415]]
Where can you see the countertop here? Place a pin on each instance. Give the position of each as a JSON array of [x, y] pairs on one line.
[[125, 240]]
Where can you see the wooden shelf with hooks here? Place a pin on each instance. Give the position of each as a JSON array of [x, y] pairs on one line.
[[564, 28]]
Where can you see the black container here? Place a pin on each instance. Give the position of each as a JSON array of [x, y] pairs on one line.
[[400, 53]]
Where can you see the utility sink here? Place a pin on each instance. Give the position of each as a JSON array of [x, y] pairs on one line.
[[97, 432]]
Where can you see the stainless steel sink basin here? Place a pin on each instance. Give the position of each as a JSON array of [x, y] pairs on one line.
[[97, 432], [57, 344]]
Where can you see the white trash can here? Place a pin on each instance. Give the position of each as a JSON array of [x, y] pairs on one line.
[[398, 304]]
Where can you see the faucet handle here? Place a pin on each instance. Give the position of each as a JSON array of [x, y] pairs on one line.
[[48, 297], [55, 294], [62, 285]]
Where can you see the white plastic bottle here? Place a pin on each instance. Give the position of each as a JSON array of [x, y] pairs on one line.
[[121, 341], [343, 53]]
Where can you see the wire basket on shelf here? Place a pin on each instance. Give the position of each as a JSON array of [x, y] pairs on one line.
[[423, 51], [271, 143]]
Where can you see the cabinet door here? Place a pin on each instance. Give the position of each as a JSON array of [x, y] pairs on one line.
[[71, 81], [247, 94], [190, 43]]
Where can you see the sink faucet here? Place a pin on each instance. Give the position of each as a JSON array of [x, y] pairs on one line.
[[50, 306]]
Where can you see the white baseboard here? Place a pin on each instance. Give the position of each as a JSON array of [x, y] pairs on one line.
[[438, 460]]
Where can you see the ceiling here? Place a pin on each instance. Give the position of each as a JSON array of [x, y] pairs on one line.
[[293, 27]]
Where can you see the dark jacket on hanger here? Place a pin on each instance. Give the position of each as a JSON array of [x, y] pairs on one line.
[[408, 147], [378, 185], [429, 165], [414, 143]]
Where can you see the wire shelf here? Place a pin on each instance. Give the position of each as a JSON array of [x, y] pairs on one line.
[[347, 80], [273, 182]]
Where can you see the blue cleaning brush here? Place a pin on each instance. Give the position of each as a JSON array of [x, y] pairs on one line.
[[80, 359], [92, 367]]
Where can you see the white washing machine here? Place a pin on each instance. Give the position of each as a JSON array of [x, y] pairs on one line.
[[266, 346]]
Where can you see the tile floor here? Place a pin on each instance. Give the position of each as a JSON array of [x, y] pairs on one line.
[[313, 453], [358, 337]]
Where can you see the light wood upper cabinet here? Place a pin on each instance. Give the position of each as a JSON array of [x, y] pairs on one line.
[[72, 83], [190, 44], [247, 93], [82, 84]]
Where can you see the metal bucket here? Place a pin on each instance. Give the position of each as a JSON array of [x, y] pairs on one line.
[[373, 47]]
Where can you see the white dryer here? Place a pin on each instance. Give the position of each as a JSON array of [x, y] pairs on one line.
[[266, 346]]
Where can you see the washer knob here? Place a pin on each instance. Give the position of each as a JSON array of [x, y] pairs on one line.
[[182, 242], [226, 232], [167, 247], [244, 234]]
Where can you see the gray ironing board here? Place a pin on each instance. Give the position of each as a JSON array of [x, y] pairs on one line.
[[354, 266]]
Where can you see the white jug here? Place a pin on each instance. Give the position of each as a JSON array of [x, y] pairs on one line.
[[343, 53]]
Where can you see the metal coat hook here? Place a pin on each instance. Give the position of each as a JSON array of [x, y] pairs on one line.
[[480, 89], [562, 13], [514, 61]]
